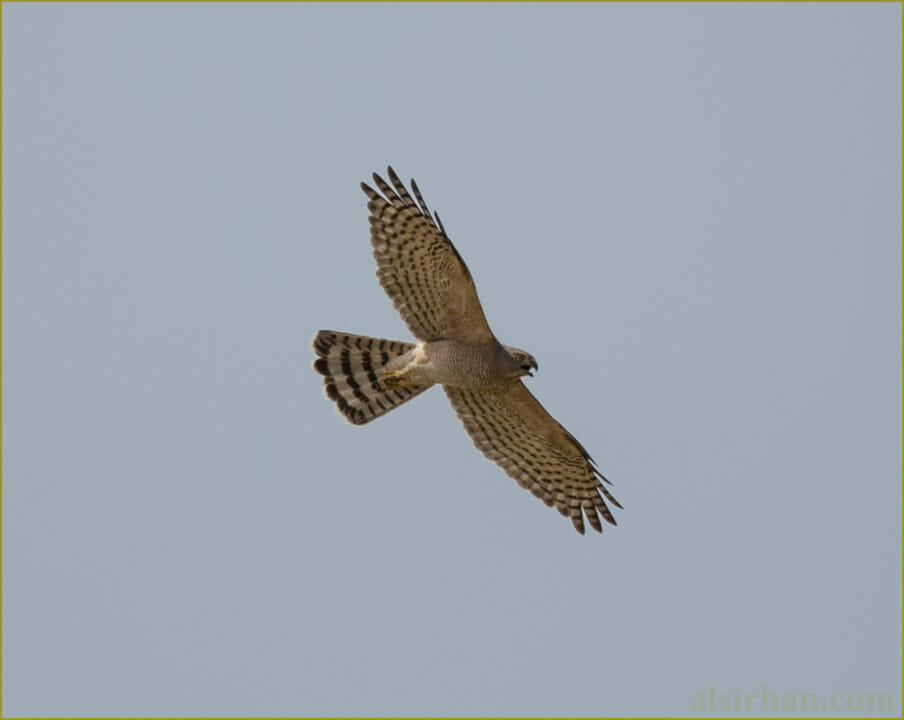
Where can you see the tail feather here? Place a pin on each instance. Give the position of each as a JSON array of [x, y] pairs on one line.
[[350, 365]]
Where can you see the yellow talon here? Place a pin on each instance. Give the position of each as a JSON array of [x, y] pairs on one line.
[[393, 380]]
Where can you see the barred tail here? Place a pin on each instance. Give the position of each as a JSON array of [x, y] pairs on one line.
[[350, 365]]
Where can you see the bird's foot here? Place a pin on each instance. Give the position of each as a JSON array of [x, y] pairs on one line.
[[393, 380]]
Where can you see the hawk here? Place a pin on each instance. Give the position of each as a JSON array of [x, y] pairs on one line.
[[432, 289]]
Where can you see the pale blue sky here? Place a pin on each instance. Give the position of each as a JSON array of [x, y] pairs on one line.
[[691, 216]]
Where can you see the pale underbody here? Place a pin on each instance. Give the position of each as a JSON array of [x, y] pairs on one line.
[[456, 364]]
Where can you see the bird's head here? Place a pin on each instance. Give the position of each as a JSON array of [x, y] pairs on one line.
[[525, 360]]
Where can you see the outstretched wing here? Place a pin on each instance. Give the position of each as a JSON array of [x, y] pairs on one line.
[[419, 268], [511, 427]]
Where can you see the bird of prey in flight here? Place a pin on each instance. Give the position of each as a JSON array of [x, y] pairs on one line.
[[432, 289]]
